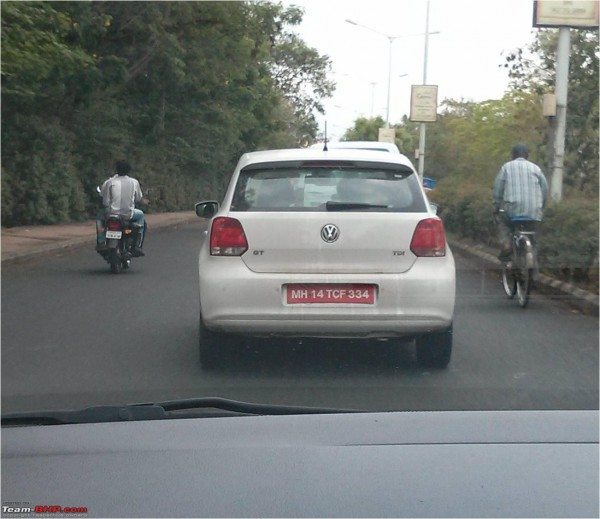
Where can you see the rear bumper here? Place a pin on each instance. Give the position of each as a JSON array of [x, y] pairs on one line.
[[353, 329], [236, 300]]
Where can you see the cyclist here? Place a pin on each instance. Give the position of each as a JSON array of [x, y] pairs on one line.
[[521, 190]]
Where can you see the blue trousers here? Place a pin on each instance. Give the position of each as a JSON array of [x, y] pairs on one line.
[[137, 218]]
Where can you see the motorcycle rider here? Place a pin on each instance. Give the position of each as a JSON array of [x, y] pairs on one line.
[[119, 196]]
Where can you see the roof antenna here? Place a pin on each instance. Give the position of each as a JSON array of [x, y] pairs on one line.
[[325, 142]]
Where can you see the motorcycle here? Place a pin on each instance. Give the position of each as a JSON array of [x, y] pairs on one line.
[[120, 238]]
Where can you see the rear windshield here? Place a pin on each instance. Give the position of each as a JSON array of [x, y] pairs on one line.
[[327, 189]]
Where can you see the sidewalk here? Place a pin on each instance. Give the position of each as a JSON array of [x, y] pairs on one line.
[[24, 242]]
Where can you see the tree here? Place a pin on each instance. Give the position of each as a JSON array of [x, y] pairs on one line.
[[471, 140], [180, 88], [364, 129], [532, 69], [300, 73], [367, 129]]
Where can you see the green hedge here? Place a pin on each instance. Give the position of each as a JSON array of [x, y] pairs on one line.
[[568, 235], [569, 240], [466, 209]]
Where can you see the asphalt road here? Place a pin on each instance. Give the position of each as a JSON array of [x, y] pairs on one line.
[[75, 335]]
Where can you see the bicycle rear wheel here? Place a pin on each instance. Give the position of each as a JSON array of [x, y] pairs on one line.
[[524, 286], [509, 283]]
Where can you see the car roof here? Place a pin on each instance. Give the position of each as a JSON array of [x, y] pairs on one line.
[[318, 154], [362, 145]]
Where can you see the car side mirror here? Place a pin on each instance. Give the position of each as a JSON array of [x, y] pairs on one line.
[[434, 207], [98, 190], [207, 209]]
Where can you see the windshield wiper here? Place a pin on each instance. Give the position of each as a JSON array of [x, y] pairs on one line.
[[344, 206], [160, 411]]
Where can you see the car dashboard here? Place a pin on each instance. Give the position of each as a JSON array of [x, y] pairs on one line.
[[396, 464]]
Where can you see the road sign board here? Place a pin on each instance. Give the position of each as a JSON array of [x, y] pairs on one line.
[[423, 103], [556, 13], [387, 135]]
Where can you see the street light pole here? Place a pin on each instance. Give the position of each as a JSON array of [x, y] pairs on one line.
[[422, 127], [391, 40], [373, 83], [387, 111], [562, 81]]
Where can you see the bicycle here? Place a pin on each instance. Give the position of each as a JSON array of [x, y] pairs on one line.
[[518, 272]]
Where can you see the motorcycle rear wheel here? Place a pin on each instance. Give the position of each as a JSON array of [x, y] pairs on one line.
[[114, 258]]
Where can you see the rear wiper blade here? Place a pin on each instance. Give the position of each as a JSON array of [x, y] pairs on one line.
[[159, 411], [343, 206]]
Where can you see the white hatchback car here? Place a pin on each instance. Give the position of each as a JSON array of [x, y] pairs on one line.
[[339, 243]]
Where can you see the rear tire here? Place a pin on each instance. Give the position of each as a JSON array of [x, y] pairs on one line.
[[435, 349], [524, 286], [214, 347], [114, 259]]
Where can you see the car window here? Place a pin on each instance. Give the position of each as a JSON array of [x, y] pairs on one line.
[[293, 189]]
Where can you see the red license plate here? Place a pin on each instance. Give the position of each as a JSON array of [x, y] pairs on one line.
[[330, 293]]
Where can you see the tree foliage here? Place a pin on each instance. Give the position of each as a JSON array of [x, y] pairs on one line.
[[532, 69], [367, 129], [472, 140], [179, 88], [364, 129]]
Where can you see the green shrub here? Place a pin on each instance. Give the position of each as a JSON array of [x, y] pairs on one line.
[[466, 209], [569, 238]]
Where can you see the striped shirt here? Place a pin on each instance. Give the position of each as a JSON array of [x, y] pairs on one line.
[[120, 193], [522, 189]]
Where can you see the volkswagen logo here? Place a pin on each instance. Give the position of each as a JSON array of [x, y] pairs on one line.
[[330, 233]]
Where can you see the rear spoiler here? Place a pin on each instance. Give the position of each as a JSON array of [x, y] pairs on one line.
[[337, 164]]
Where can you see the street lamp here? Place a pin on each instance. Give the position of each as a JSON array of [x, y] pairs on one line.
[[372, 83], [391, 39], [422, 127]]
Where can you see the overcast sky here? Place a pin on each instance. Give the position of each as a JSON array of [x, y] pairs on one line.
[[463, 58]]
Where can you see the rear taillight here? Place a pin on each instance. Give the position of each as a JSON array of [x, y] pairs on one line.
[[429, 238], [113, 225], [227, 237]]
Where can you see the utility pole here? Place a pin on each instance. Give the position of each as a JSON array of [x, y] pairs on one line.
[[391, 39], [387, 110], [561, 87], [373, 83], [422, 127]]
